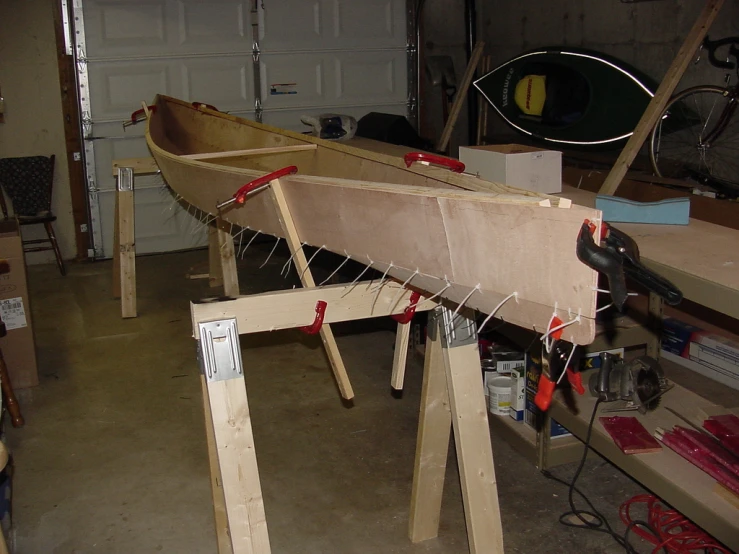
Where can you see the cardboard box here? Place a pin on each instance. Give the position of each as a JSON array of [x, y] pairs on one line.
[[711, 355], [18, 346], [520, 166]]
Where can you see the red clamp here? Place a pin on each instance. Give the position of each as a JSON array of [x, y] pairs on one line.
[[410, 309], [544, 392], [545, 387], [313, 328], [138, 115], [256, 185], [204, 105], [603, 229], [575, 379], [455, 165], [556, 322]]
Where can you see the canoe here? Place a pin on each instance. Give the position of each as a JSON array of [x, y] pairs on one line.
[[470, 241], [569, 96]]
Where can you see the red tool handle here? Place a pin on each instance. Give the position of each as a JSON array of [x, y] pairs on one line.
[[544, 393], [575, 379], [313, 328], [243, 192], [135, 115], [209, 106], [409, 311], [452, 164]]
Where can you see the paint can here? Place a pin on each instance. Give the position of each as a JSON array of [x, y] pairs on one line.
[[499, 395]]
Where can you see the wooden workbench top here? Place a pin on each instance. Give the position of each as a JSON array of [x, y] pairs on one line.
[[701, 258]]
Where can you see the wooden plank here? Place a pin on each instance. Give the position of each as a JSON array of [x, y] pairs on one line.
[[432, 444], [214, 258], [140, 166], [250, 152], [474, 452], [216, 483], [116, 248], [662, 96], [227, 257], [287, 309], [400, 355], [127, 252], [238, 464], [469, 74], [306, 278]]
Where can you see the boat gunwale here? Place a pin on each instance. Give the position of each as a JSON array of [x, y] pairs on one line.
[[466, 183]]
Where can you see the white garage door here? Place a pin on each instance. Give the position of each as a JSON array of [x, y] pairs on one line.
[[270, 60]]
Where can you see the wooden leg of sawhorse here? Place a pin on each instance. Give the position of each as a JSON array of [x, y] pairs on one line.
[[461, 360], [215, 270], [227, 258], [116, 248], [306, 277], [225, 394], [434, 427], [216, 483], [124, 250], [400, 355]]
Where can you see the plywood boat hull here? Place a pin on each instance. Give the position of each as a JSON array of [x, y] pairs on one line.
[[419, 225]]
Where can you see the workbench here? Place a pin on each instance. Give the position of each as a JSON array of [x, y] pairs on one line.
[[702, 259]]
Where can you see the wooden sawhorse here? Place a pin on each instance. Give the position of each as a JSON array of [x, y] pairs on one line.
[[452, 398]]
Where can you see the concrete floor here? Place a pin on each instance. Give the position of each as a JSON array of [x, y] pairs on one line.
[[113, 455]]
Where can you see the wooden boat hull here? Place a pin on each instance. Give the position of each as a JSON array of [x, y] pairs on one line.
[[614, 96], [479, 247]]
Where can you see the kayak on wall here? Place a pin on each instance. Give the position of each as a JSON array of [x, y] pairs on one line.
[[570, 97]]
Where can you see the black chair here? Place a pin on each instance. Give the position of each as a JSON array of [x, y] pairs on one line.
[[28, 183]]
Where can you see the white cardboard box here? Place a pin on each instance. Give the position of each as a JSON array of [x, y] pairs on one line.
[[520, 166]]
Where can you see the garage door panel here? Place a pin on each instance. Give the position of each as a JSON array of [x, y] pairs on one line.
[[290, 119], [135, 28], [332, 78], [117, 89], [387, 82], [235, 78], [223, 24], [292, 80], [287, 25], [358, 22], [332, 24]]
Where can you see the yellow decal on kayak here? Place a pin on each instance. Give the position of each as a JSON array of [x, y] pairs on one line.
[[530, 94]]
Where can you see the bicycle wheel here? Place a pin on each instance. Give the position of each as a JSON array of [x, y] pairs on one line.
[[697, 138]]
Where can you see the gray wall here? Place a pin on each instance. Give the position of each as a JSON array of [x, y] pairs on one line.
[[29, 78], [442, 35], [644, 34]]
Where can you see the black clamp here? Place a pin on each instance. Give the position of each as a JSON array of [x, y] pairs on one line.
[[618, 258]]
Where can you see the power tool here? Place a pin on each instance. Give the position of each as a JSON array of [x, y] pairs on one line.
[[639, 382]]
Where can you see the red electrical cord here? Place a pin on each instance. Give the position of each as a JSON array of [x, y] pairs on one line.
[[675, 533]]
